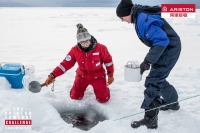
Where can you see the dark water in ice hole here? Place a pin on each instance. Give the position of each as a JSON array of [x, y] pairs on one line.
[[83, 118]]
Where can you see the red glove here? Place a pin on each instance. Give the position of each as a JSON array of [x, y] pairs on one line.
[[110, 79], [50, 79]]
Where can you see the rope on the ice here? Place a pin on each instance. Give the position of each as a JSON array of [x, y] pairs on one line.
[[157, 107]]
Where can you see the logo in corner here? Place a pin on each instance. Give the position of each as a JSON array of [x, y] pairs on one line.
[[18, 118], [178, 10], [164, 9]]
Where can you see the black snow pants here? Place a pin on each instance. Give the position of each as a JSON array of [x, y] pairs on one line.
[[156, 83]]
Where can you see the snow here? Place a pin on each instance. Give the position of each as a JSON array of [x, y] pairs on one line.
[[39, 38]]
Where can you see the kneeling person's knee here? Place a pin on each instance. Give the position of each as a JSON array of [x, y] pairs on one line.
[[103, 97], [76, 96]]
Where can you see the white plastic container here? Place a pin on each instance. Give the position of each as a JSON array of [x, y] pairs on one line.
[[132, 72], [30, 70]]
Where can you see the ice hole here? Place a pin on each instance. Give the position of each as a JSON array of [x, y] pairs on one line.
[[83, 118]]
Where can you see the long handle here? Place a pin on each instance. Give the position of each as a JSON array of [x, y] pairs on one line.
[[44, 84]]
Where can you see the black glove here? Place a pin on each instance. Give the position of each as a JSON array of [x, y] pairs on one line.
[[145, 65]]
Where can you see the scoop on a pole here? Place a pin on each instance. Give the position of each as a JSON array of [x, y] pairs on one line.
[[35, 86]]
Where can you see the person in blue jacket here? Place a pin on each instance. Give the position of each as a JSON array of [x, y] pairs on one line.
[[165, 47]]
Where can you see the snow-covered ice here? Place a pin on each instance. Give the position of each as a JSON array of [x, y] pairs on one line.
[[41, 37]]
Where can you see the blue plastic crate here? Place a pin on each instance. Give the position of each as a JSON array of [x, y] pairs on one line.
[[14, 73]]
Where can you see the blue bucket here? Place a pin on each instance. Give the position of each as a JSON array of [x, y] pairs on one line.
[[14, 73]]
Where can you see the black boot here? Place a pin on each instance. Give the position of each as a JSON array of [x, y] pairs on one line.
[[150, 119], [174, 107], [151, 123]]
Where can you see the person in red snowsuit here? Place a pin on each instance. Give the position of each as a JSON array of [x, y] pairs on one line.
[[90, 56]]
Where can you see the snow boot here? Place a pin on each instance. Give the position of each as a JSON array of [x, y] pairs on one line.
[[151, 123], [174, 107], [150, 119]]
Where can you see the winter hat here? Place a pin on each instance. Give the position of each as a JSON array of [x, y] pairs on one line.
[[82, 33], [124, 8]]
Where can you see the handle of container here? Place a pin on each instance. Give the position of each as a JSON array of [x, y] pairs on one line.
[[22, 70], [131, 64]]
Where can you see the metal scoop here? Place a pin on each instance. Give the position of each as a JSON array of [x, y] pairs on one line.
[[35, 86]]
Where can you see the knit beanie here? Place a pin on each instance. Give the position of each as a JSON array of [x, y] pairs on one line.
[[124, 8], [82, 33]]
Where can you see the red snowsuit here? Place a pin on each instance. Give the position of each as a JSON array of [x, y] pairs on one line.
[[90, 71]]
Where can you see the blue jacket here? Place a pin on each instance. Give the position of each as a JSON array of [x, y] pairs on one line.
[[154, 32], [150, 27]]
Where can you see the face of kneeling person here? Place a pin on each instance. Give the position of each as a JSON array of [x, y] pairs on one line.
[[85, 44]]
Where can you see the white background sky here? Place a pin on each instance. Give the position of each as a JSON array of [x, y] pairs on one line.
[[93, 3]]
